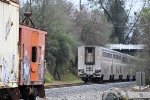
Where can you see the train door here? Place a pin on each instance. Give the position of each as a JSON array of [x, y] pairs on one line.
[[89, 59], [34, 60]]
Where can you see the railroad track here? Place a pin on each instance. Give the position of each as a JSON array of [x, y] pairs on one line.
[[79, 84], [66, 85]]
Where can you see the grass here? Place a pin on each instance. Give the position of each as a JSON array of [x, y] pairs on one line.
[[67, 78], [48, 77]]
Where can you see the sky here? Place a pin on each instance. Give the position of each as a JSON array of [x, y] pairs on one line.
[[76, 2]]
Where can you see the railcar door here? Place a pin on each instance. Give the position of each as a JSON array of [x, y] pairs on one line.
[[89, 59], [34, 61]]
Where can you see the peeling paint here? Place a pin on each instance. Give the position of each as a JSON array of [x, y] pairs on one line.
[[8, 28], [9, 36], [5, 72], [13, 70], [25, 70]]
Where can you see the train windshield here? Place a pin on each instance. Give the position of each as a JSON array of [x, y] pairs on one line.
[[89, 55]]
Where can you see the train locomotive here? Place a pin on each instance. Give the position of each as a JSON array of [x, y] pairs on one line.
[[22, 50], [97, 64]]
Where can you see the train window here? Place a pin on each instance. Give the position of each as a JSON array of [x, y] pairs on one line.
[[89, 56], [109, 55], [125, 59], [116, 56], [34, 54], [105, 54]]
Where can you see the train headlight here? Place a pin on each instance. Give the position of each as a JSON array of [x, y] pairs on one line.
[[81, 70]]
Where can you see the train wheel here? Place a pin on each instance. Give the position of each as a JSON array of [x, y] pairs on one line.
[[102, 77], [28, 93], [85, 80], [4, 95], [128, 77], [9, 94], [96, 80], [31, 97], [40, 91], [111, 78], [120, 77], [134, 78]]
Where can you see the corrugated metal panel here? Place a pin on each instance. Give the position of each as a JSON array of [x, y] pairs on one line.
[[9, 25]]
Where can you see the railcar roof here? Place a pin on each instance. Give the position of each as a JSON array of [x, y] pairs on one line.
[[109, 50], [31, 28]]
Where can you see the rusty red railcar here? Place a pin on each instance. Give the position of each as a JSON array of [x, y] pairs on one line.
[[32, 62]]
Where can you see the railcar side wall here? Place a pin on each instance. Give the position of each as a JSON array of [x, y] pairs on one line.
[[9, 33], [32, 50], [108, 64]]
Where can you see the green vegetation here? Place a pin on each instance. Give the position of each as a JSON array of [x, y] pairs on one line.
[[48, 77], [67, 28], [69, 77], [144, 26]]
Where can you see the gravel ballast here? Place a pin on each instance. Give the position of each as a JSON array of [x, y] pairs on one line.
[[83, 92]]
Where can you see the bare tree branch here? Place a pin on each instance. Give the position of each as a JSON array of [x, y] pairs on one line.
[[133, 25], [129, 12], [100, 2]]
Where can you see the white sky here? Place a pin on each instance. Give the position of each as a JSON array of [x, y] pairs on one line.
[[76, 2]]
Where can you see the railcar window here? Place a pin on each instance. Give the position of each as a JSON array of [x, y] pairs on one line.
[[89, 56], [105, 54], [116, 56], [125, 59], [34, 54]]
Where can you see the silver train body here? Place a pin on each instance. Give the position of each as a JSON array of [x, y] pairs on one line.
[[99, 64]]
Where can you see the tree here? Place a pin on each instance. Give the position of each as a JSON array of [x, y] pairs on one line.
[[145, 30], [53, 16], [116, 13], [93, 29]]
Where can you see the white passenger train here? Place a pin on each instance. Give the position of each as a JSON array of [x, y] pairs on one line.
[[99, 64]]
